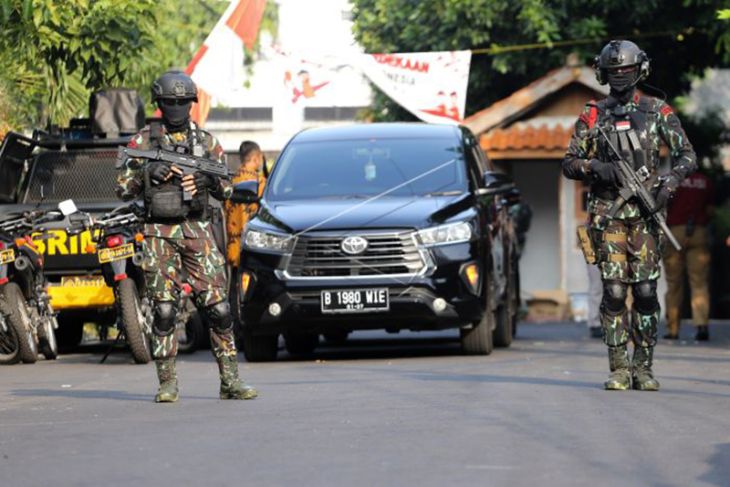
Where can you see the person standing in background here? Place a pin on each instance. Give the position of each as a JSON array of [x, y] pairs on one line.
[[237, 215], [688, 216]]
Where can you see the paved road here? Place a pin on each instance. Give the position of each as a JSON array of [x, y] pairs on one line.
[[396, 411]]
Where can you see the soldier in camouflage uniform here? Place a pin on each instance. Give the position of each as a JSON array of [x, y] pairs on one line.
[[627, 245], [179, 245]]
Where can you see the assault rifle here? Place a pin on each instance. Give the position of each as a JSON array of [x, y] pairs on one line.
[[187, 163], [632, 186]]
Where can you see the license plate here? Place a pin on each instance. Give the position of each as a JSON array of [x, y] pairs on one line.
[[83, 281], [117, 253], [7, 256], [355, 300]]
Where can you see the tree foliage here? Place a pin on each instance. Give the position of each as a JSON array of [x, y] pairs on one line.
[[682, 38], [53, 54]]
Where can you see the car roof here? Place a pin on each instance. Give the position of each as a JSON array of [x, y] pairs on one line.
[[378, 130]]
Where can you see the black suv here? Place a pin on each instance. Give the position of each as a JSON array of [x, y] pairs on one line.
[[378, 226]]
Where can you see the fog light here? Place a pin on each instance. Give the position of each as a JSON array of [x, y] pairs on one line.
[[439, 304], [274, 309]]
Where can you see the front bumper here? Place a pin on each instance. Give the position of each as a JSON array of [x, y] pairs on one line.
[[411, 297]]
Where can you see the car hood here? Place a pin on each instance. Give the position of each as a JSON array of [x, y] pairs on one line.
[[340, 214]]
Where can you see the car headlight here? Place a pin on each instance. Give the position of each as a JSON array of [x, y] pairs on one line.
[[273, 242], [446, 234]]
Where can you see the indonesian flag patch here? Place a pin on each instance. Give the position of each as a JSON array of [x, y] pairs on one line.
[[623, 125]]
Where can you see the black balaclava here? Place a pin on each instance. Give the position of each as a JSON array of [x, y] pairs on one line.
[[176, 117], [623, 84]]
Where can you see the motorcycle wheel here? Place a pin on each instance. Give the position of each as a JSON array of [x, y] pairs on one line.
[[47, 338], [9, 347], [18, 318], [133, 321]]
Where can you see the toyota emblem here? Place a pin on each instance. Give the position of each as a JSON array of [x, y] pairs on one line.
[[354, 245]]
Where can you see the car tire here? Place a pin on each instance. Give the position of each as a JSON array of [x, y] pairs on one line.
[[506, 311], [133, 321], [259, 348], [301, 344], [478, 339], [18, 318]]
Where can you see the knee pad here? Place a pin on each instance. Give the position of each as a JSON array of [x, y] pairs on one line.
[[219, 316], [614, 296], [165, 313], [645, 299]]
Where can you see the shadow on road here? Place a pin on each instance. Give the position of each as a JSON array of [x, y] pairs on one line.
[[719, 466], [81, 394]]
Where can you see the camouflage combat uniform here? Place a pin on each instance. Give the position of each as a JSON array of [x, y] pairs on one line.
[[183, 252], [628, 245]]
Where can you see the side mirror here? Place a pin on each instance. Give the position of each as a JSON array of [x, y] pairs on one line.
[[246, 192], [67, 207], [495, 183]]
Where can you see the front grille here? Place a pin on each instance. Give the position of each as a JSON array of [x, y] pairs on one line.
[[87, 176], [387, 253]]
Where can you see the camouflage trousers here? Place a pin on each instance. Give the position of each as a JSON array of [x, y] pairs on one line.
[[222, 344], [175, 255], [628, 254], [183, 254]]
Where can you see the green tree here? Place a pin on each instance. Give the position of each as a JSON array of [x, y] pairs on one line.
[[52, 54], [681, 37]]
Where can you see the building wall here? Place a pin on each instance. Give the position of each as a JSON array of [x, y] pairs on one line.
[[540, 264]]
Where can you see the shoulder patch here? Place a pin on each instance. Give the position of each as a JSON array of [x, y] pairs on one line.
[[666, 110], [590, 114]]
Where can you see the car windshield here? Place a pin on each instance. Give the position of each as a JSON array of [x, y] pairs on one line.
[[369, 167]]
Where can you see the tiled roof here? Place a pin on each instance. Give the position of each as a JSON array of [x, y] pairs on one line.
[[509, 109], [527, 137]]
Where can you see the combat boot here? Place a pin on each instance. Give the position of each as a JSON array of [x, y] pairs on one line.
[[168, 380], [618, 361], [231, 385], [642, 375]]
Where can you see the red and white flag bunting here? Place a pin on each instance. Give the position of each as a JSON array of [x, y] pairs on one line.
[[430, 85], [217, 67]]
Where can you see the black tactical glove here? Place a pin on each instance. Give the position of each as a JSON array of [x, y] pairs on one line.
[[159, 172], [604, 172], [205, 181], [665, 192]]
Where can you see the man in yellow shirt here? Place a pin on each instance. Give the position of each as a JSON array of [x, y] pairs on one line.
[[252, 161]]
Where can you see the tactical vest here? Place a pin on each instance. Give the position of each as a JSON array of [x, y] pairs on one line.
[[165, 202], [629, 134]]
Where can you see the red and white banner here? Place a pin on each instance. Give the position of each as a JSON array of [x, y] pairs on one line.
[[217, 67], [430, 85]]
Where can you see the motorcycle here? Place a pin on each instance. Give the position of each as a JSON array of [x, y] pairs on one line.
[[117, 237], [27, 319]]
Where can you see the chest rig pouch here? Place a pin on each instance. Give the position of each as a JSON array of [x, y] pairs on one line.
[[629, 133], [165, 202]]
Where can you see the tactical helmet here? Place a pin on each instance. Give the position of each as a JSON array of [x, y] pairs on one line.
[[174, 84], [621, 54]]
